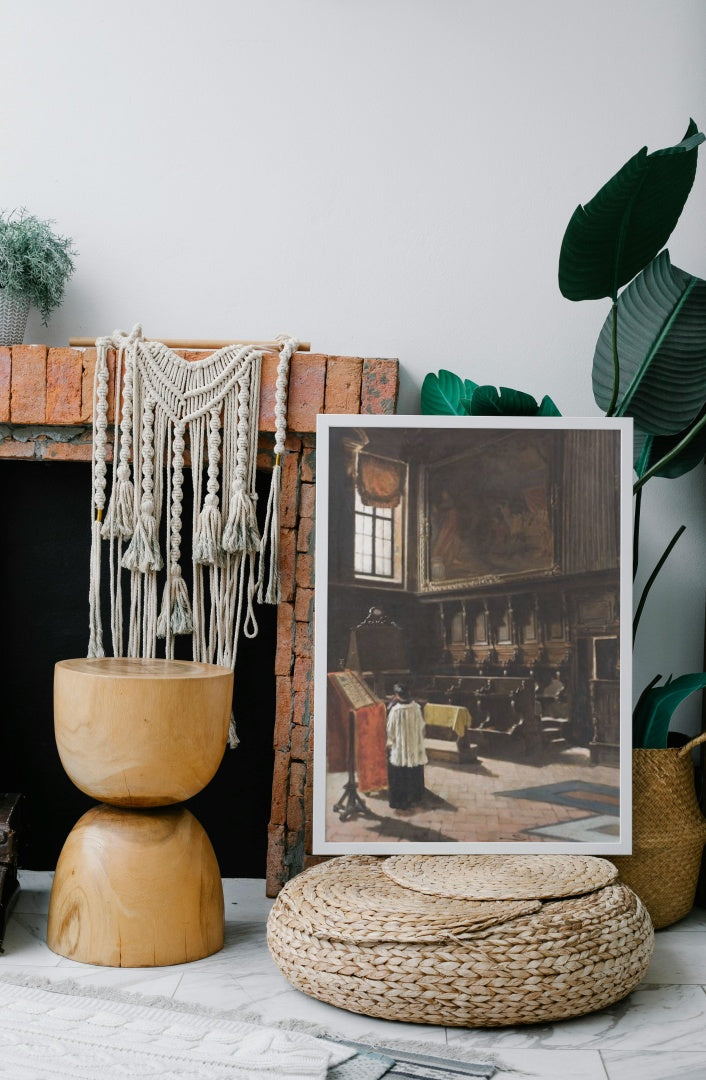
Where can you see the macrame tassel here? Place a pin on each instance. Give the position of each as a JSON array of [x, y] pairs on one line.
[[233, 740], [175, 614], [208, 548], [95, 640], [143, 552], [273, 593], [241, 532], [120, 518]]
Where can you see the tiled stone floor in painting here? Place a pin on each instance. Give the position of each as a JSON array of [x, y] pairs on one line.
[[478, 801], [658, 1033]]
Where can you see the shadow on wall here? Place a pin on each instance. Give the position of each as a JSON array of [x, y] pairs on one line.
[[44, 558]]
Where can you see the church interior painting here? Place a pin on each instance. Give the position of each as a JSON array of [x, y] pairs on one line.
[[469, 638]]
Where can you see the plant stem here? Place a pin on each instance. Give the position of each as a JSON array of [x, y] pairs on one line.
[[636, 533], [691, 433], [616, 365], [651, 579]]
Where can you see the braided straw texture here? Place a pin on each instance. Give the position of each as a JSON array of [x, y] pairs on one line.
[[668, 831], [571, 957], [501, 877], [360, 903]]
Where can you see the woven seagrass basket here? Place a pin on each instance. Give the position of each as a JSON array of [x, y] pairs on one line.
[[668, 830], [350, 934]]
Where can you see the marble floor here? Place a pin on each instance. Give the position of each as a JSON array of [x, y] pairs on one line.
[[658, 1033]]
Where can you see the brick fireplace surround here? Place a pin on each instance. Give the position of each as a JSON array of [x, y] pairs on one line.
[[45, 415]]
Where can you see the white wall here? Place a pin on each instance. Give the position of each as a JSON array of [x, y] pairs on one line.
[[383, 177]]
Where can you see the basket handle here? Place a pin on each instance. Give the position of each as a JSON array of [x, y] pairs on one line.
[[691, 745]]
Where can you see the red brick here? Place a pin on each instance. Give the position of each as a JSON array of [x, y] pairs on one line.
[[306, 391], [302, 708], [307, 500], [287, 562], [292, 444], [304, 605], [11, 448], [87, 377], [305, 571], [307, 383], [283, 712], [267, 391], [379, 386], [89, 368], [305, 535], [64, 379], [275, 860], [309, 464], [308, 811], [53, 451], [289, 501], [343, 379], [295, 815], [280, 788], [285, 642], [297, 779], [5, 374], [28, 400], [303, 640], [300, 736], [302, 674]]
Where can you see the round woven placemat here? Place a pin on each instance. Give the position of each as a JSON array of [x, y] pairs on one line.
[[360, 903], [500, 877]]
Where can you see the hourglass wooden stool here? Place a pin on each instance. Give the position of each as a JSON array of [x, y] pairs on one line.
[[137, 883]]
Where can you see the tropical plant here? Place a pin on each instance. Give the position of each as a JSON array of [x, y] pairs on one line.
[[445, 394], [35, 263], [650, 359]]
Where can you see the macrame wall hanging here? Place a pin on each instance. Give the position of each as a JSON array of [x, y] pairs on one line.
[[161, 400]]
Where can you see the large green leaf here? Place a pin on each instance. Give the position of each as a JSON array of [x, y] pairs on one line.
[[443, 394], [661, 350], [489, 401], [628, 221], [654, 710], [648, 450]]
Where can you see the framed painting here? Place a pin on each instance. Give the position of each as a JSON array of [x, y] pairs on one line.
[[472, 662]]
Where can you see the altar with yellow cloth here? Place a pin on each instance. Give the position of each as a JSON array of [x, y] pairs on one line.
[[454, 718]]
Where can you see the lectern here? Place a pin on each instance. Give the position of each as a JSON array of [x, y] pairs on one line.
[[137, 883]]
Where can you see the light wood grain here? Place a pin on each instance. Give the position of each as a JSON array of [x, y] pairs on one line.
[[136, 889], [141, 732], [196, 343]]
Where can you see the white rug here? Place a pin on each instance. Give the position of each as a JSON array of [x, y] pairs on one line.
[[65, 1032]]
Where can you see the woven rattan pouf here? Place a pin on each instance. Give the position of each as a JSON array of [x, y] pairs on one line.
[[462, 940]]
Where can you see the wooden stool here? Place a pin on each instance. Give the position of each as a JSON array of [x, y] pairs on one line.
[[137, 886]]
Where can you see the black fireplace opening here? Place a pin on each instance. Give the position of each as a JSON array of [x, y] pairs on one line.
[[44, 561]]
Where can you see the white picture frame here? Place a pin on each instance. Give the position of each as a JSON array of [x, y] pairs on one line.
[[500, 550]]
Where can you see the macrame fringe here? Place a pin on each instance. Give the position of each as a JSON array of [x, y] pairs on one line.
[[241, 532], [208, 542], [273, 593], [175, 615], [120, 519], [161, 401], [142, 553], [95, 640]]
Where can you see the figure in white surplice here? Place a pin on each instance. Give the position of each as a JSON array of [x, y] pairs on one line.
[[406, 755]]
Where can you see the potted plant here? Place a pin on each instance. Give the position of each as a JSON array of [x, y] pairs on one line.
[[649, 364], [35, 264]]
